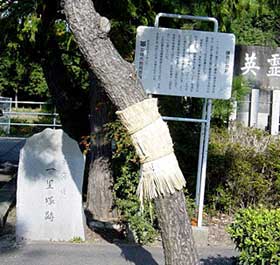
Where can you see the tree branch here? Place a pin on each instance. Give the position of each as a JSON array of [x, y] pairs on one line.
[[117, 76]]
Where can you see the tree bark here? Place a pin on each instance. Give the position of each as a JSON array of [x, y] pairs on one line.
[[115, 75], [121, 84], [176, 231], [70, 100], [100, 177], [73, 106]]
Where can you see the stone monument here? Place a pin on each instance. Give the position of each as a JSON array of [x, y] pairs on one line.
[[49, 188]]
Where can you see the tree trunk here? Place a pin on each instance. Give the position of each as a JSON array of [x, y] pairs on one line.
[[176, 231], [121, 84], [100, 177], [73, 106], [69, 99]]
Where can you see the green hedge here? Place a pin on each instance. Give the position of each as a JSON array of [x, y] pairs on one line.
[[256, 233], [243, 169]]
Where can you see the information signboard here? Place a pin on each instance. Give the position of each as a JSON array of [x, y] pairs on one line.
[[185, 63]]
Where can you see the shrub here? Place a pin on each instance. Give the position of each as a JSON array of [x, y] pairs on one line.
[[256, 233], [243, 169], [126, 168]]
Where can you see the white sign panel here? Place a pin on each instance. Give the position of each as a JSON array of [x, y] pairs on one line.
[[185, 63]]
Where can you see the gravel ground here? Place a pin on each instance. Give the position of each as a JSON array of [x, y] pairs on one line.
[[218, 252], [217, 231], [217, 236], [7, 235]]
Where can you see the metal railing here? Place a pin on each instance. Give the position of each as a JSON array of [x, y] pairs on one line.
[[9, 115]]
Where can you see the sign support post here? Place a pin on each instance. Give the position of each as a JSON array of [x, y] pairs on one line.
[[202, 181], [187, 63], [205, 126], [200, 156]]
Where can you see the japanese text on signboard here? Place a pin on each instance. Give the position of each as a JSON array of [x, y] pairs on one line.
[[185, 63]]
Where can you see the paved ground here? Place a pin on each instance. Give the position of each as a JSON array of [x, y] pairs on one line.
[[38, 253], [9, 149], [97, 251], [4, 179]]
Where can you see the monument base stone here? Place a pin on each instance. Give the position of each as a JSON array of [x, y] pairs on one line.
[[49, 188]]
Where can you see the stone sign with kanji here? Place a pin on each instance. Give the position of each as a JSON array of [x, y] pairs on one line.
[[49, 188], [259, 65]]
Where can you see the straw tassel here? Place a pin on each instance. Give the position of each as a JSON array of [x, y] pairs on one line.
[[160, 172]]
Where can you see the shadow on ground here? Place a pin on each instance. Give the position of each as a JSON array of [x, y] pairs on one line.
[[220, 260], [7, 238], [131, 252]]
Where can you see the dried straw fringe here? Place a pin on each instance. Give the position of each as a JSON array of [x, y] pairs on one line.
[[160, 172]]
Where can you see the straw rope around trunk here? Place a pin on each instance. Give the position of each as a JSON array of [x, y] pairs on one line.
[[160, 172]]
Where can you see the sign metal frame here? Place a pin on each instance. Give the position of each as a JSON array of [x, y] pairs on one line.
[[205, 122]]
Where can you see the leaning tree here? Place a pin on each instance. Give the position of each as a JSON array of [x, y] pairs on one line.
[[161, 177]]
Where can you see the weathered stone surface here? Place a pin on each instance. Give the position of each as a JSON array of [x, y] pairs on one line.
[[50, 179]]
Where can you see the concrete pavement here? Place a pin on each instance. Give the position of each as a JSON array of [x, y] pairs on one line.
[[9, 150], [39, 253]]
